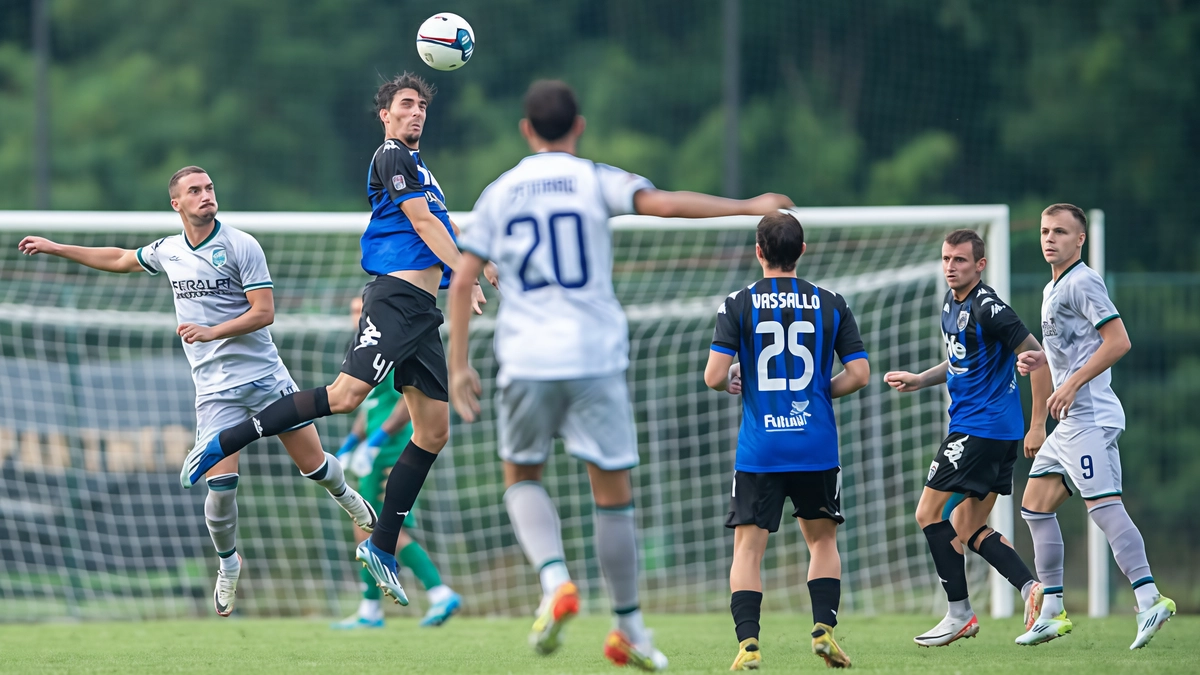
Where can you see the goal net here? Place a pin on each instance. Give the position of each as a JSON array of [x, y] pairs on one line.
[[97, 413]]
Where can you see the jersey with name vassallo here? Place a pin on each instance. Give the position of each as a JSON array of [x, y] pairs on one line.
[[544, 224], [390, 243], [210, 282], [980, 334], [785, 332], [1073, 310]]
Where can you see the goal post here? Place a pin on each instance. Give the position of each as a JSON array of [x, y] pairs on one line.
[[90, 448]]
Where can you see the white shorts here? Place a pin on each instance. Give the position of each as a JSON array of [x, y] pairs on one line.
[[1089, 455], [222, 409], [593, 416]]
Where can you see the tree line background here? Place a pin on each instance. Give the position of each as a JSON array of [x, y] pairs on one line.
[[842, 102]]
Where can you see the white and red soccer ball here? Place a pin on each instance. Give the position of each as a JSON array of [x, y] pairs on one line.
[[445, 41]]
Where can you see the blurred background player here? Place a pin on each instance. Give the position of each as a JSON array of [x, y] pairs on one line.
[[224, 303], [408, 245], [784, 331], [982, 336], [562, 342], [1084, 336], [381, 430]]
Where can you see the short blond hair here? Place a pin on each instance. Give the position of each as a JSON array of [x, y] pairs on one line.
[[1079, 215]]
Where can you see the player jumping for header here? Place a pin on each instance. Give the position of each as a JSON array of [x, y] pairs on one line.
[[785, 332], [1084, 337], [562, 342], [983, 337], [409, 247], [224, 303]]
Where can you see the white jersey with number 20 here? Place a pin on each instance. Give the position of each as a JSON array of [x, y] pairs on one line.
[[544, 224]]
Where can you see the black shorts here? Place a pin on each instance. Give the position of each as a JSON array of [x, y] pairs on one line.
[[399, 329], [757, 498], [973, 466]]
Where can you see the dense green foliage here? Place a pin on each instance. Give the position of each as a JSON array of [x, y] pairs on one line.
[[843, 102]]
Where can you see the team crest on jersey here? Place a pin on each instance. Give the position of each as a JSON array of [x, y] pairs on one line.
[[963, 317], [398, 182], [218, 257]]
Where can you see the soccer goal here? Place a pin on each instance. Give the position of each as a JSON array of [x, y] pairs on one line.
[[96, 415]]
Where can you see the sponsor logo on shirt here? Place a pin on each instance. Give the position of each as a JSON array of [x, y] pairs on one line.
[[795, 420], [198, 288], [398, 182], [218, 257], [996, 309]]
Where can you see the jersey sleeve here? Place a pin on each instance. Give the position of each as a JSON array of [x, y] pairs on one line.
[[848, 341], [1089, 297], [479, 236], [147, 257], [618, 188], [727, 337], [252, 264], [397, 170], [1000, 322]]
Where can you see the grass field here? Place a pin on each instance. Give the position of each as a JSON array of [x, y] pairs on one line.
[[695, 644]]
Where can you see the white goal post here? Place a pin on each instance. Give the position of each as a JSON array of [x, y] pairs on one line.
[[106, 394]]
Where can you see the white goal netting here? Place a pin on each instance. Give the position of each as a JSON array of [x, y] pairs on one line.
[[96, 414]]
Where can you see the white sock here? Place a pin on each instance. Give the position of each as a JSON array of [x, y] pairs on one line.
[[1147, 595], [553, 575], [1052, 605], [633, 626], [231, 563], [439, 593], [960, 609], [370, 609]]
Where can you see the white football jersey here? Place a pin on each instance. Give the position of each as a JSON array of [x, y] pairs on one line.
[[1073, 310], [544, 224], [210, 283]]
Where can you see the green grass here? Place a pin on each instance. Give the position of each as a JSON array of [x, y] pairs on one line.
[[695, 644]]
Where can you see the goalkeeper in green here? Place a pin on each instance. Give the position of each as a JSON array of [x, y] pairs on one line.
[[386, 425]]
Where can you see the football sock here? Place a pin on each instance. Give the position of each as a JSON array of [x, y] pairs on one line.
[[616, 547], [538, 530], [746, 607], [1048, 555], [1001, 557], [416, 559], [231, 562], [400, 493], [1128, 549], [370, 589], [631, 623], [438, 593], [826, 594], [330, 476], [951, 565], [287, 412], [221, 514], [370, 608]]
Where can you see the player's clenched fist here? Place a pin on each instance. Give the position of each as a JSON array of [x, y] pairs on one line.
[[735, 379], [903, 381], [1029, 361], [35, 245]]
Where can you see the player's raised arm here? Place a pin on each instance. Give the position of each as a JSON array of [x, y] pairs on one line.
[[432, 232], [105, 259], [666, 204]]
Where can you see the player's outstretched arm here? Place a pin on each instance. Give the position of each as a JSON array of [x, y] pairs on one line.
[[1116, 344], [666, 204], [856, 375], [464, 381], [904, 381], [105, 259]]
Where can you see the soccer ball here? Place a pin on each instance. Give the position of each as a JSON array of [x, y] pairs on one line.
[[445, 41]]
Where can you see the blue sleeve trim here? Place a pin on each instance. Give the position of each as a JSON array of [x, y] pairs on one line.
[[260, 285], [405, 197], [724, 350], [853, 357], [146, 266], [1106, 320]]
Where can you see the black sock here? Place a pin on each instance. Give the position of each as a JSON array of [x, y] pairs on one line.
[[746, 607], [826, 595], [287, 412], [403, 485], [951, 565], [1003, 558]]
